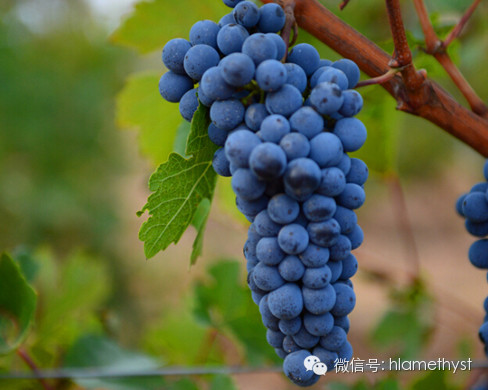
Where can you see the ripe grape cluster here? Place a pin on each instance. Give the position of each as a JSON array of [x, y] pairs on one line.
[[284, 123], [474, 207]]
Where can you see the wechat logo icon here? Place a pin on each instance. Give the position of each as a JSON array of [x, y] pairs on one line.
[[313, 363]]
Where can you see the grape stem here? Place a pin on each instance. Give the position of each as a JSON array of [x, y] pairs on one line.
[[430, 101], [438, 49], [24, 355], [290, 23], [343, 4], [378, 80]]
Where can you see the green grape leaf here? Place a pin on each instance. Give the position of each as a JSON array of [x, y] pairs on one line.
[[154, 22], [17, 305], [95, 351], [179, 186], [222, 382], [139, 106], [199, 222]]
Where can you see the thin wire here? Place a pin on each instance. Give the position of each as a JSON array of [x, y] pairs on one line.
[[92, 373]]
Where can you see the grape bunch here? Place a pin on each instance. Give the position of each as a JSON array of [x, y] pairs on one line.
[[473, 206], [285, 125]]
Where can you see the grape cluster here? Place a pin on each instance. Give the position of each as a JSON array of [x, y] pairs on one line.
[[284, 123], [473, 206]]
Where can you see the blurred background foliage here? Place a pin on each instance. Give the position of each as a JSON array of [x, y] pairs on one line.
[[72, 73]]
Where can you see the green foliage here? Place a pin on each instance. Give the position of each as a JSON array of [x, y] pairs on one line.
[[155, 22], [17, 305], [95, 351], [140, 106], [224, 303], [222, 382], [178, 187], [436, 379]]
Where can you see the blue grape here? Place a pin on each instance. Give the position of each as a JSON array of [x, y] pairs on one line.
[[319, 301], [246, 14], [255, 114], [317, 277], [286, 301], [483, 333], [174, 54], [227, 114], [291, 269], [289, 345], [274, 127], [345, 300], [478, 254], [265, 226], [231, 37], [268, 251], [477, 229], [239, 146], [256, 297], [295, 145], [353, 103], [475, 207], [279, 43], [349, 267], [259, 47], [307, 122], [334, 339], [351, 132], [345, 352], [293, 239], [302, 178], [324, 233], [237, 69], [306, 56], [327, 357], [479, 187], [336, 268], [333, 75], [281, 353], [332, 183], [304, 338], [326, 98], [283, 209], [246, 185], [295, 370], [315, 256], [269, 320], [252, 234], [285, 101], [350, 69], [356, 237], [314, 79], [231, 3], [267, 161], [346, 218], [204, 32], [345, 164], [341, 249], [271, 75], [352, 197], [204, 99], [290, 327], [343, 322], [251, 207], [266, 277], [326, 149], [189, 104], [319, 208], [220, 163], [358, 173], [216, 135], [324, 62], [226, 19], [172, 86], [318, 325], [295, 76], [272, 18], [214, 86], [274, 338]]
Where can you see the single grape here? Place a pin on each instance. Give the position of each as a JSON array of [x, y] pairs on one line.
[[333, 75], [231, 3], [267, 277], [351, 132], [314, 79], [326, 149], [318, 325], [326, 98], [346, 218], [285, 101], [317, 277], [306, 56], [350, 69], [475, 207], [349, 267], [289, 345], [345, 352], [324, 233], [283, 209], [343, 322], [237, 69], [274, 127], [307, 122], [231, 37], [332, 182], [290, 327], [477, 229], [352, 197], [269, 252], [334, 339], [220, 163], [315, 256], [304, 339], [286, 301], [295, 370], [353, 103], [204, 32], [478, 254], [302, 178], [189, 104], [341, 249], [358, 173], [172, 86], [174, 54], [246, 14], [345, 164], [251, 207], [267, 161], [226, 19], [214, 86], [255, 115], [272, 18], [279, 43], [269, 320], [246, 185], [295, 75], [265, 226], [291, 268], [274, 338], [216, 135], [227, 114], [345, 300], [239, 146], [319, 301], [259, 47], [293, 239], [295, 145], [336, 268], [356, 237], [327, 357], [271, 75], [319, 208]]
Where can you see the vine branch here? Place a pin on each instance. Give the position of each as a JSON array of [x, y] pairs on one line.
[[24, 355], [459, 27], [430, 101]]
